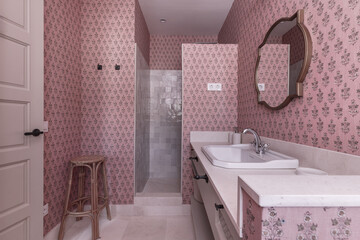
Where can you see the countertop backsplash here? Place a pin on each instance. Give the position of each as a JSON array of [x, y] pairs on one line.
[[332, 162]]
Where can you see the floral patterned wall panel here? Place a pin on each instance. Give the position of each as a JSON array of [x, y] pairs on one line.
[[300, 223], [252, 216], [207, 110], [62, 99], [90, 111], [273, 71], [107, 37], [165, 51], [327, 116]]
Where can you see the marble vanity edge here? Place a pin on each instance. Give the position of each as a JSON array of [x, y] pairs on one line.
[[295, 191]]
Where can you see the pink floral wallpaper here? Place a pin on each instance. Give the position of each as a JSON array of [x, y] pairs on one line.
[[204, 110], [252, 216], [165, 51], [62, 99], [274, 39], [107, 38], [90, 111], [300, 223], [273, 71], [327, 116]]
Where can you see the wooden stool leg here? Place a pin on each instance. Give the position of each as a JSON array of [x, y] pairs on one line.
[[93, 228], [81, 191], [106, 193], [62, 225], [94, 201]]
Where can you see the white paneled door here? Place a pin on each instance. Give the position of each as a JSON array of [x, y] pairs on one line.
[[21, 110]]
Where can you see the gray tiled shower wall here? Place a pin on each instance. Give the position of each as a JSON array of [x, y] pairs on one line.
[[142, 125], [165, 124]]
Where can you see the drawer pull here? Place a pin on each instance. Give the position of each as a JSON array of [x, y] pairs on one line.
[[196, 175], [194, 158], [219, 206], [205, 177]]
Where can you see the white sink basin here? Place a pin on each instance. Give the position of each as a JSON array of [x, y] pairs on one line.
[[244, 156]]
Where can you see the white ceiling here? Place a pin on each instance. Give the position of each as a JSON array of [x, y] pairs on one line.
[[185, 17]]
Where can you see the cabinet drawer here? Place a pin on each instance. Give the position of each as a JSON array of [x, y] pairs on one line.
[[225, 227], [220, 223]]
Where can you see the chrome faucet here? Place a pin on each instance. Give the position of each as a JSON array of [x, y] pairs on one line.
[[260, 147]]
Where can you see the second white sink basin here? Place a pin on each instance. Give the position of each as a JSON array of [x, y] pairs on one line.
[[244, 156]]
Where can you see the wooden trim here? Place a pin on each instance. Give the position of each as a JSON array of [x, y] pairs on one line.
[[299, 15]]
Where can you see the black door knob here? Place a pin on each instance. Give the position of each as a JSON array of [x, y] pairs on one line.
[[36, 132]]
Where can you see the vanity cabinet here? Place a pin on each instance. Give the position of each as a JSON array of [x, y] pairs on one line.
[[220, 222], [275, 204], [300, 207]]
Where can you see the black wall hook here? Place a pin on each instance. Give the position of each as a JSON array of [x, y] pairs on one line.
[[99, 67], [117, 67]]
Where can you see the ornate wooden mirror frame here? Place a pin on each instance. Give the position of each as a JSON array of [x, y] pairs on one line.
[[299, 15]]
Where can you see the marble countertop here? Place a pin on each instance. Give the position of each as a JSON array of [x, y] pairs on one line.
[[302, 191], [225, 181], [274, 188]]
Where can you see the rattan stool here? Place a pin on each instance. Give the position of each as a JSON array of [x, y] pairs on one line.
[[93, 163]]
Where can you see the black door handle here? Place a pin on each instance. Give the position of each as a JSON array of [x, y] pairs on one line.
[[194, 158], [36, 132], [219, 206], [205, 177], [196, 175]]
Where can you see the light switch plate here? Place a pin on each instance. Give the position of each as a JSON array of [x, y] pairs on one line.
[[45, 210], [261, 87], [214, 86], [46, 126]]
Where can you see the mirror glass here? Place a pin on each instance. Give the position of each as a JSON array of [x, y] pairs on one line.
[[280, 63]]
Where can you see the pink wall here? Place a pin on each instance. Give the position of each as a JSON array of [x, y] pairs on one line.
[[204, 110], [108, 33], [336, 223], [142, 35], [90, 111], [62, 101], [273, 71], [165, 51], [328, 114], [274, 39]]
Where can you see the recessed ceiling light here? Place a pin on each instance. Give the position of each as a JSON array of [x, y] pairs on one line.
[[163, 20]]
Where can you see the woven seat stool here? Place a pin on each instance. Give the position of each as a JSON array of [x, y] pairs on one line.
[[93, 163]]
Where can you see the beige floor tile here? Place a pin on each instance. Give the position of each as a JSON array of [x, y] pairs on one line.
[[109, 230], [114, 229], [79, 230], [146, 228], [180, 228], [135, 228]]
